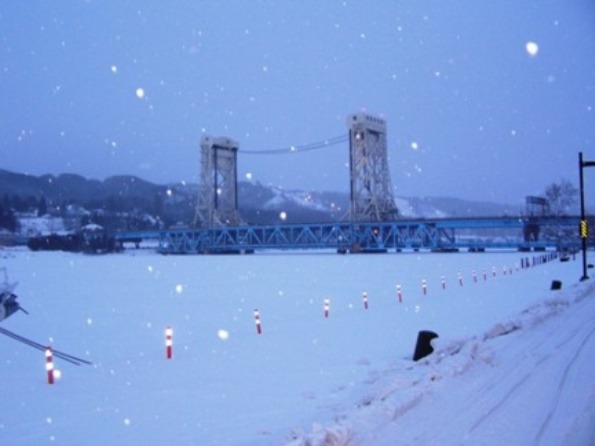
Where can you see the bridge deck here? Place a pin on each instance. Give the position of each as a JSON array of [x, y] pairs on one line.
[[440, 234]]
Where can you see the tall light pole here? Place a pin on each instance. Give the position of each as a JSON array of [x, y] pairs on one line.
[[584, 225]]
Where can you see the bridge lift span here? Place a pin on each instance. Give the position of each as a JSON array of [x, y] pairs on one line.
[[444, 235]]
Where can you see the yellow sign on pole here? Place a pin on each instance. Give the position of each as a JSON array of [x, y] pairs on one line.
[[584, 229]]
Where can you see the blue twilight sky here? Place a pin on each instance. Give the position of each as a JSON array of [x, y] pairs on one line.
[[484, 99]]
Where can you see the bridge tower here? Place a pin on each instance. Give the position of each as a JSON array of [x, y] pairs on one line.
[[217, 203], [535, 207], [371, 187]]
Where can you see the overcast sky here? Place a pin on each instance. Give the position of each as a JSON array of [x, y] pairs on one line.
[[487, 100]]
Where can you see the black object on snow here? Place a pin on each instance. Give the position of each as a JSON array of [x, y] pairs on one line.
[[423, 347]]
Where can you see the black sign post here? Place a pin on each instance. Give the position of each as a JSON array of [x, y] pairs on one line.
[[583, 225]]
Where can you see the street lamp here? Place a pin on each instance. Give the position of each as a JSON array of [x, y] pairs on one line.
[[584, 225]]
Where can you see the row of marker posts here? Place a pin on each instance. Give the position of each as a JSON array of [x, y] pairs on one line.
[[326, 308], [525, 263], [327, 301]]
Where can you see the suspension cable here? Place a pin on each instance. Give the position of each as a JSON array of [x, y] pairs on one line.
[[302, 148]]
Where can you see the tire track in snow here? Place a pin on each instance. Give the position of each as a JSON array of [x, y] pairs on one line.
[[534, 350], [561, 387], [511, 391]]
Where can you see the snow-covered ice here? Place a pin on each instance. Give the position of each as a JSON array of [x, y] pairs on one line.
[[512, 364]]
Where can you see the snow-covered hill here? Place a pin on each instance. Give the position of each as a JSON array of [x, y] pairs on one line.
[[74, 197], [332, 206], [513, 361]]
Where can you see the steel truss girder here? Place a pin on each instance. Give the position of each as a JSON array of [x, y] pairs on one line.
[[370, 236]]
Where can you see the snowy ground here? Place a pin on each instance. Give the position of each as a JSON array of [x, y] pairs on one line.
[[513, 362]]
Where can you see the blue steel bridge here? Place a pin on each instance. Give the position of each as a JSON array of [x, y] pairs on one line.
[[473, 234], [373, 225]]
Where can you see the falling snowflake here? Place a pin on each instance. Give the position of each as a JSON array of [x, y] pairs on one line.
[[532, 48]]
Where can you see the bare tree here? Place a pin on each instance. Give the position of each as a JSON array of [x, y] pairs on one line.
[[562, 197]]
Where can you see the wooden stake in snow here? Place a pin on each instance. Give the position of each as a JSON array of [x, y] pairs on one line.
[[474, 276], [424, 286], [169, 334], [257, 321], [443, 283], [49, 364], [365, 299], [327, 307], [460, 279], [400, 294]]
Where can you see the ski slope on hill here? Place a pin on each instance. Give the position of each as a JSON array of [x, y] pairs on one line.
[[513, 361]]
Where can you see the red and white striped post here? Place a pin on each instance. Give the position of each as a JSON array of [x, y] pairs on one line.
[[424, 286], [365, 299], [169, 334], [257, 321], [400, 294], [49, 364], [327, 307], [443, 280], [460, 279]]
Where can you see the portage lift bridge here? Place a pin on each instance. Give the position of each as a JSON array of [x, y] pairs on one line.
[[373, 223]]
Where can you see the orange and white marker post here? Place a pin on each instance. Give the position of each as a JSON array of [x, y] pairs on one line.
[[257, 321], [49, 364], [365, 299], [327, 307], [169, 334]]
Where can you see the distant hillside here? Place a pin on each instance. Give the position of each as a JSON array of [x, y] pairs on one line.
[[441, 207], [72, 187], [175, 203]]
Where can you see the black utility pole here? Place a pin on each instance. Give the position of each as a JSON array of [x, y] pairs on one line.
[[584, 225]]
